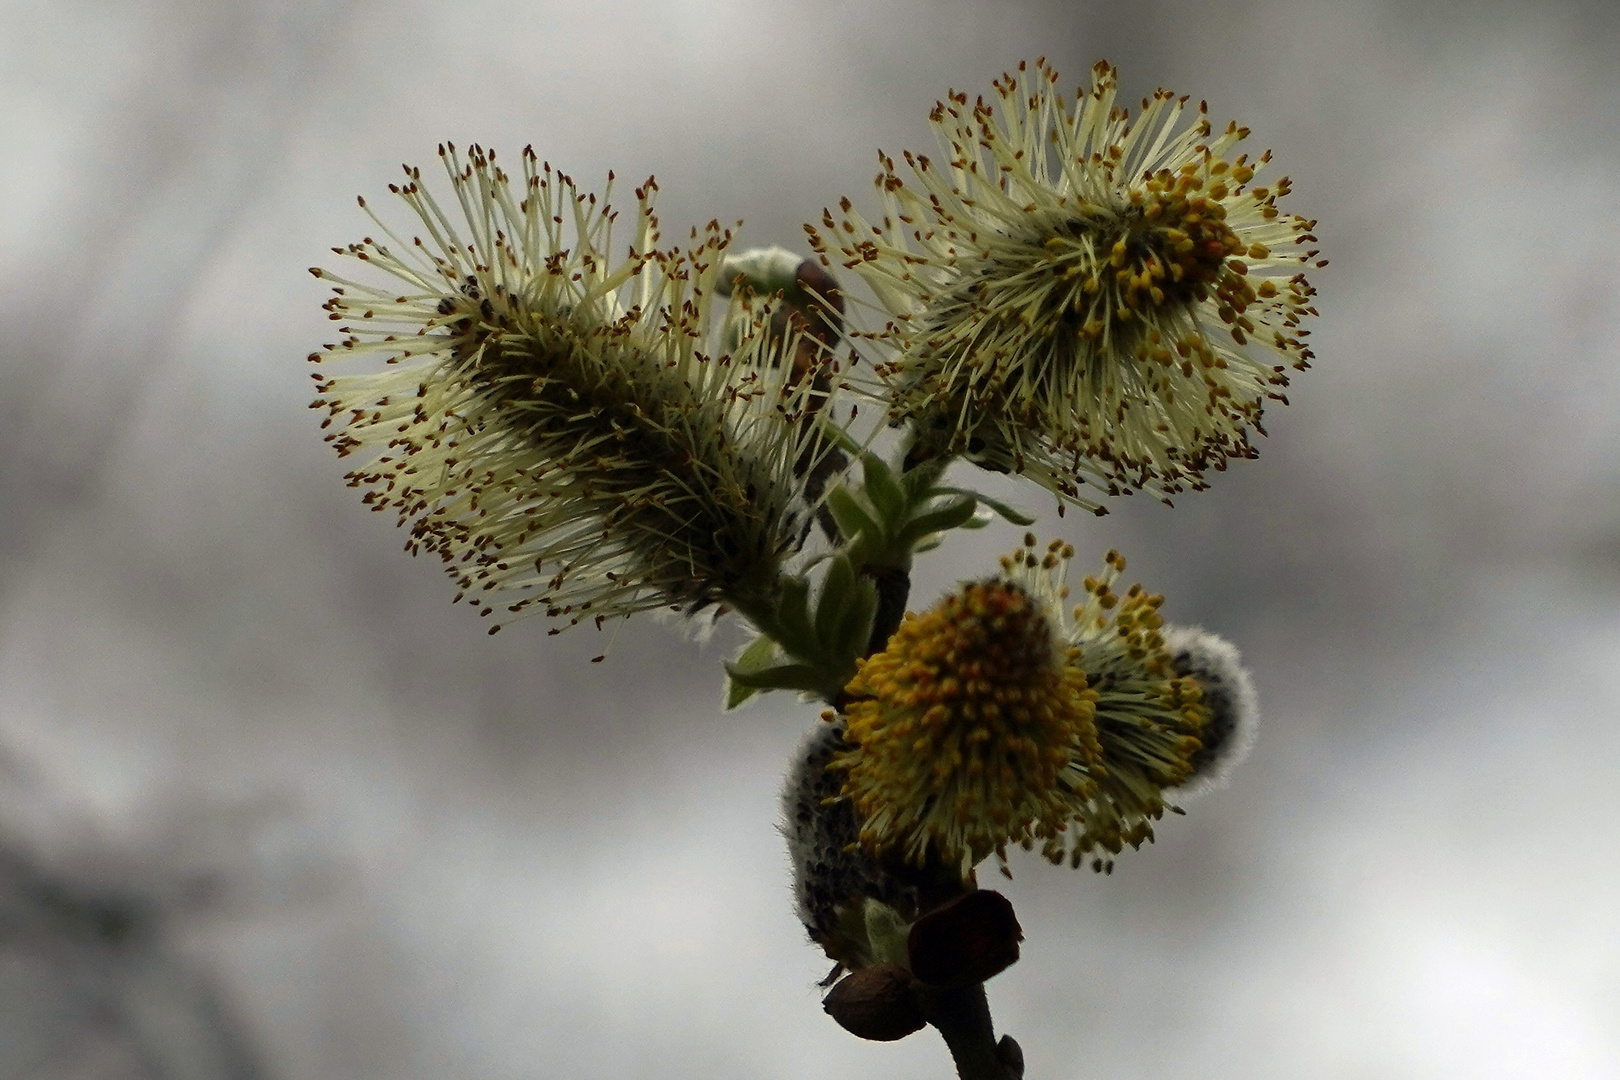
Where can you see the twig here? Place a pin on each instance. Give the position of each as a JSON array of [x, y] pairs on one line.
[[960, 1014], [962, 1017], [893, 590]]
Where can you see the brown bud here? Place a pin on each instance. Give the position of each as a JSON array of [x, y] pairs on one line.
[[877, 1003], [965, 941], [1010, 1054], [823, 301], [814, 310]]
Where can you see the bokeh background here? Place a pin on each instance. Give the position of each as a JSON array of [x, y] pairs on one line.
[[270, 807]]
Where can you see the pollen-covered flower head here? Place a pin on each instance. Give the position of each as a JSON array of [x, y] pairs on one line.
[[545, 415], [1150, 720], [1080, 297], [964, 730], [1003, 716]]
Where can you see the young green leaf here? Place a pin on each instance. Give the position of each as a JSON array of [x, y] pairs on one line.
[[1017, 517], [888, 497], [760, 653], [919, 482], [837, 592], [855, 628], [853, 520], [793, 630], [982, 516], [782, 677], [949, 516], [735, 694], [841, 438]]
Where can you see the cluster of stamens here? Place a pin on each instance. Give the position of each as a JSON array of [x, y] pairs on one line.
[[962, 729], [1000, 718], [547, 420], [1078, 298], [1149, 719]]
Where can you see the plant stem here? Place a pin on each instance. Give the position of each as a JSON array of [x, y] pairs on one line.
[[893, 584], [960, 1014], [962, 1017]]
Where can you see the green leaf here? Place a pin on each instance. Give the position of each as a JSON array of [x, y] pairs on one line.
[[759, 654], [837, 591], [919, 481], [793, 629], [949, 516], [886, 932], [841, 438], [735, 694], [982, 516], [853, 520], [887, 496], [1017, 517], [849, 640], [782, 677]]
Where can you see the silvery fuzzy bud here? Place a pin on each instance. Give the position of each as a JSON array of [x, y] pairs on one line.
[[833, 878], [1229, 700]]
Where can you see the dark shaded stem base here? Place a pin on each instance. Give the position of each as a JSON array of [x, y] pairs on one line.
[[893, 586], [962, 1016]]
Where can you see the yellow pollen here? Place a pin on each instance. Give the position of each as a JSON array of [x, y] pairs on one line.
[[960, 729]]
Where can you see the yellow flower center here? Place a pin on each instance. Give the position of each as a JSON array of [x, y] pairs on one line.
[[1176, 243], [961, 729]]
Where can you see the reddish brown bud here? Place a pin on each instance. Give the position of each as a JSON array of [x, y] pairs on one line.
[[965, 941], [1010, 1054], [877, 1003], [823, 301]]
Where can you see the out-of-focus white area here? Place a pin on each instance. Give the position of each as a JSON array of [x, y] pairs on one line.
[[271, 807]]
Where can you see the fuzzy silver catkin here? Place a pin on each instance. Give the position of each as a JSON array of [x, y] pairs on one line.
[[1229, 697], [830, 872]]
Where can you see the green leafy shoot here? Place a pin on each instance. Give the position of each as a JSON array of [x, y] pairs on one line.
[[805, 647]]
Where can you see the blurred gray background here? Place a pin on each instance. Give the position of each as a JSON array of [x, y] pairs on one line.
[[271, 807]]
